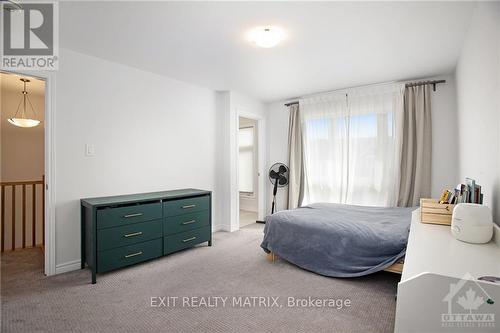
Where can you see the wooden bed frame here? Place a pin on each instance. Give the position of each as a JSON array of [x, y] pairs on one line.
[[395, 268]]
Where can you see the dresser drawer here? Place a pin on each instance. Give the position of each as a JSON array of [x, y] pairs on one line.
[[184, 206], [185, 222], [185, 239], [128, 255], [129, 234], [118, 216]]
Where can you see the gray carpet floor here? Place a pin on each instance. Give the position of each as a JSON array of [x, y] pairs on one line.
[[233, 266]]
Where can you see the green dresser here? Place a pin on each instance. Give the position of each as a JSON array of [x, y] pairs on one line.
[[128, 229]]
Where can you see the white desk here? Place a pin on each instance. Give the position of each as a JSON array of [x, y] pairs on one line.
[[435, 264], [432, 248]]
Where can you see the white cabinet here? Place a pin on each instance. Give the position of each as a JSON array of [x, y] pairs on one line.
[[439, 290]]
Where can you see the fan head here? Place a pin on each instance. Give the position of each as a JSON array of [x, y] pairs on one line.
[[279, 173]]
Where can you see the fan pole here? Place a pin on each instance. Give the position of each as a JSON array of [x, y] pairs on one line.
[[275, 190]]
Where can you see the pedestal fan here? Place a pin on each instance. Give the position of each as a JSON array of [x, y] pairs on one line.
[[278, 176]]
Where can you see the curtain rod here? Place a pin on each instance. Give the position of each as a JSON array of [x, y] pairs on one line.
[[423, 83], [411, 84]]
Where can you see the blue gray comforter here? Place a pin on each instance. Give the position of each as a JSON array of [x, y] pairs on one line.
[[339, 240]]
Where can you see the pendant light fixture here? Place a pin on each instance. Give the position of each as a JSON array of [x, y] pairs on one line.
[[23, 120]]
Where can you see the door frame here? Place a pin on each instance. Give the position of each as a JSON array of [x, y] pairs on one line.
[[50, 154], [261, 164]]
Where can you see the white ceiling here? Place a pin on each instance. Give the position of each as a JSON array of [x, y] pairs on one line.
[[330, 44]]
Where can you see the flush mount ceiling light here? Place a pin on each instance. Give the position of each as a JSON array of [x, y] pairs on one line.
[[23, 120], [266, 36]]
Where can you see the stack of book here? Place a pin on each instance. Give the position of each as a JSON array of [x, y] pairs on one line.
[[468, 192]]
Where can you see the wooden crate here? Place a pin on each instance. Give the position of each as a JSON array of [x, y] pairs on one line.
[[431, 211]]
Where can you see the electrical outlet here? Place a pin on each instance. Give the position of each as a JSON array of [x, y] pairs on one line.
[[89, 150]]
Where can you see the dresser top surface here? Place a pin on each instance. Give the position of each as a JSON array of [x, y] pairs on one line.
[[151, 196], [433, 249]]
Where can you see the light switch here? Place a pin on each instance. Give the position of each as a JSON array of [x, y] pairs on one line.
[[89, 150]]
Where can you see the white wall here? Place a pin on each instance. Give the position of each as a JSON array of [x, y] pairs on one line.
[[444, 151], [444, 126], [150, 133], [478, 90], [277, 150]]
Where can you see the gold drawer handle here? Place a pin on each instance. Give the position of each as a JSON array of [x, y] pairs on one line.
[[188, 222], [448, 208], [188, 206], [133, 234], [189, 239], [133, 215], [133, 254]]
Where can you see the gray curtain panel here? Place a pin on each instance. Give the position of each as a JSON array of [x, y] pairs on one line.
[[417, 146], [295, 162]]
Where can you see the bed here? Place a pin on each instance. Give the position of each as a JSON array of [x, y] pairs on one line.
[[339, 240]]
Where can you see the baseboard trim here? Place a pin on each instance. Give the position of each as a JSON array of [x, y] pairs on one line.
[[221, 227], [233, 228], [68, 266]]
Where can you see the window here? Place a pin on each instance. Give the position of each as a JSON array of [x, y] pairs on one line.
[[246, 159], [352, 148]]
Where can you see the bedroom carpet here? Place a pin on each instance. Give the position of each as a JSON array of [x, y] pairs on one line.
[[247, 218], [233, 266]]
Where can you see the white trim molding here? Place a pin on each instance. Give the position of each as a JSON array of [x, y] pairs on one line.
[[68, 266], [50, 162], [261, 164], [222, 227], [217, 227]]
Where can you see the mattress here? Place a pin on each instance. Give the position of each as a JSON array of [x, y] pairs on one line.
[[339, 240]]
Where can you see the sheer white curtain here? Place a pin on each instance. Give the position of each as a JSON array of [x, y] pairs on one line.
[[352, 146], [324, 130]]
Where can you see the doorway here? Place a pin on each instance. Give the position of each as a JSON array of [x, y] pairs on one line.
[[22, 172], [248, 175]]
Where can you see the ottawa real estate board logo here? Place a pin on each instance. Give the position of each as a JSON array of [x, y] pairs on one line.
[[469, 306], [30, 35]]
